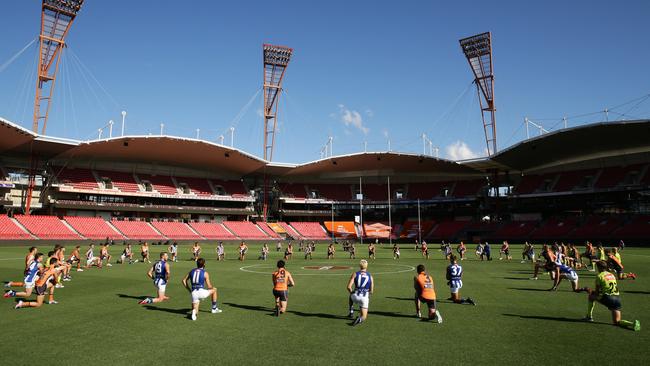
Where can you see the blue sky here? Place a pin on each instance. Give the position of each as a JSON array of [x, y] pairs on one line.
[[362, 70]]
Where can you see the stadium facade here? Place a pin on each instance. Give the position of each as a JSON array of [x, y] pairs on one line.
[[584, 183]]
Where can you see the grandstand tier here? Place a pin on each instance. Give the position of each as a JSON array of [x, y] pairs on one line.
[[137, 230], [246, 230], [212, 230], [176, 230], [47, 227], [310, 230], [9, 230], [93, 227]]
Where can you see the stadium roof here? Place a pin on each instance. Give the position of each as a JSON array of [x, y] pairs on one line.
[[550, 150], [577, 144], [378, 164]]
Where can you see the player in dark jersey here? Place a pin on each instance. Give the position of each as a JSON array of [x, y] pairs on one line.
[[360, 287], [159, 273], [455, 282], [197, 281]]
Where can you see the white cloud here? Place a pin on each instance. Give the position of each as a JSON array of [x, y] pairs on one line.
[[352, 118], [370, 113], [460, 151]]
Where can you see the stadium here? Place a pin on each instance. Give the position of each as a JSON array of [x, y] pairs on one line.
[[574, 185]]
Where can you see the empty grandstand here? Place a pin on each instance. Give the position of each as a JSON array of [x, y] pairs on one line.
[[137, 188]]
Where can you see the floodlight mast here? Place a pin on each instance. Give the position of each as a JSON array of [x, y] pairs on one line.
[[275, 60], [478, 51], [56, 18]]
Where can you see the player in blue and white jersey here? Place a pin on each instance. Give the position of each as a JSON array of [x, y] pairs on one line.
[[455, 281], [197, 281], [32, 272], [563, 271], [159, 273], [360, 287]]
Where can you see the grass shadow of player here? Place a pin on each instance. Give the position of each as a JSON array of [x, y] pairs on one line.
[[637, 292], [251, 307], [390, 314], [125, 296], [400, 298], [528, 289], [317, 315], [184, 311], [554, 318]]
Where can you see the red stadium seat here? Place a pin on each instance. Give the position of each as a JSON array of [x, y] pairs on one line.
[[246, 230], [212, 230], [176, 230], [47, 227], [9, 230], [137, 230], [93, 227], [77, 178], [161, 183], [125, 182], [310, 230]]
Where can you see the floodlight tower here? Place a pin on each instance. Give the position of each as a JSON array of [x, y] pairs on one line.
[[56, 19], [275, 59], [478, 51]]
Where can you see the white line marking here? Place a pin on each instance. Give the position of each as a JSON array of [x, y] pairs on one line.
[[10, 259]]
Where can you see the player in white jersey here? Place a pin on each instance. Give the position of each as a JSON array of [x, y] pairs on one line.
[[173, 250], [221, 252], [455, 282], [264, 253], [90, 257]]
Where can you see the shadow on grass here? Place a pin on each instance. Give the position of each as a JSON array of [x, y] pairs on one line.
[[400, 298], [637, 292], [125, 296], [528, 289], [317, 315], [553, 318], [184, 311], [250, 307], [390, 314], [517, 278]]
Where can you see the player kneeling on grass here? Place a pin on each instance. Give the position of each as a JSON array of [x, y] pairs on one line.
[[563, 271], [364, 286], [31, 275], [159, 273], [606, 293], [282, 280], [425, 292], [90, 257], [200, 287], [45, 282], [455, 282], [105, 255]]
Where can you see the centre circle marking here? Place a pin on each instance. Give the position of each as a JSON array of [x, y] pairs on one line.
[[326, 268], [322, 270]]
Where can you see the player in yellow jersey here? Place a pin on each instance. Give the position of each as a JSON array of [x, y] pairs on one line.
[[606, 293]]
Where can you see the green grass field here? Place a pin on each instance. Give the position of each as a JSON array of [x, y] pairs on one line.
[[516, 321]]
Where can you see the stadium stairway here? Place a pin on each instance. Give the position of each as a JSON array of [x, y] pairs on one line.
[[73, 229], [11, 229], [291, 231]]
